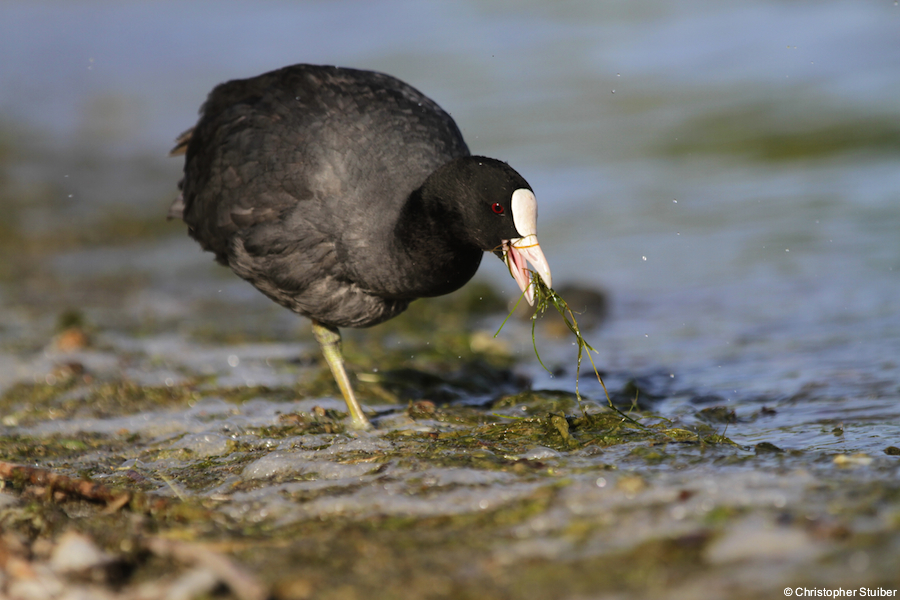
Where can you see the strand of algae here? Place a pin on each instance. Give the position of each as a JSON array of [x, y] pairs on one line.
[[545, 297]]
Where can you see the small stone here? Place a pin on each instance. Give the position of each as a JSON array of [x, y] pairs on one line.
[[71, 339], [853, 460], [76, 553], [193, 584], [767, 448]]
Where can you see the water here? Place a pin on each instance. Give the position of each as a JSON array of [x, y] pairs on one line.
[[728, 173]]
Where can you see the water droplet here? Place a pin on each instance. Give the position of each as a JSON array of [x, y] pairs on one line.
[[233, 360]]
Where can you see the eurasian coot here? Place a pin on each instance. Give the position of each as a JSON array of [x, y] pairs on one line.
[[343, 195]]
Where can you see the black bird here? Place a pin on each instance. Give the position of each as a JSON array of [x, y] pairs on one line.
[[344, 195]]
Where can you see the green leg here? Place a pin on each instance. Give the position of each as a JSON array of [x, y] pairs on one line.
[[329, 339]]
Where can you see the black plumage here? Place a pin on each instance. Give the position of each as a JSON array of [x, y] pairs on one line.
[[343, 195]]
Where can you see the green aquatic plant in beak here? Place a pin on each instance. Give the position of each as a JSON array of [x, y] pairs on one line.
[[544, 298]]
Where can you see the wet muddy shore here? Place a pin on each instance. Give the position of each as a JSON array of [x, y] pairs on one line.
[[472, 485]]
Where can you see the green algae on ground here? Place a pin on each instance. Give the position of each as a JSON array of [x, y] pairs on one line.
[[74, 397], [514, 435], [531, 402], [18, 447]]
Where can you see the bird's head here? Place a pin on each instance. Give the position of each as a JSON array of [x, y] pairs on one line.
[[499, 213]]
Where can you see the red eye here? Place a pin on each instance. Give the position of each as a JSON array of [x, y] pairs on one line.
[[497, 208]]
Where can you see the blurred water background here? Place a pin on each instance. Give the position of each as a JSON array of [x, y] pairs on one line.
[[727, 172]]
